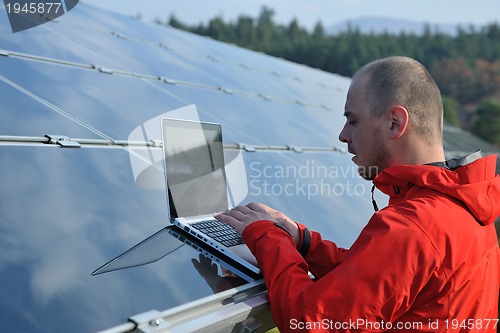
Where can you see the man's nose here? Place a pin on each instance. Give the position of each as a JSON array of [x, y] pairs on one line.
[[343, 136]]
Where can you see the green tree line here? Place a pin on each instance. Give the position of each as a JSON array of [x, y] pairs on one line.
[[466, 65]]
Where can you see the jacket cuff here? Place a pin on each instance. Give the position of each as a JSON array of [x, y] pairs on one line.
[[258, 229]]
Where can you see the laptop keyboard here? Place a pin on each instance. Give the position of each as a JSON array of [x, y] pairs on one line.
[[221, 232]]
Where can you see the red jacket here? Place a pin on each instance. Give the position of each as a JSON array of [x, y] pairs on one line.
[[428, 262]]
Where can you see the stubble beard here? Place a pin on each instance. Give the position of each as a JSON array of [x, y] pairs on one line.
[[379, 159]]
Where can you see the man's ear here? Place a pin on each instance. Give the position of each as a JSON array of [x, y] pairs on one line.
[[399, 121]]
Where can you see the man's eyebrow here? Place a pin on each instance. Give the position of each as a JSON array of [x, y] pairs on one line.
[[347, 113]]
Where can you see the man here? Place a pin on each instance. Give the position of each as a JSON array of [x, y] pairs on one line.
[[428, 262]]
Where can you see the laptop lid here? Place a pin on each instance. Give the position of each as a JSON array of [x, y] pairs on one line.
[[163, 243], [194, 168], [148, 251]]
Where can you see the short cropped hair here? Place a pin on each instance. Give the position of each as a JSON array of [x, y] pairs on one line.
[[404, 81]]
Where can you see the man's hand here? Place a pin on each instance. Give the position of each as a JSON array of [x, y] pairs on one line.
[[242, 216], [208, 270], [285, 221]]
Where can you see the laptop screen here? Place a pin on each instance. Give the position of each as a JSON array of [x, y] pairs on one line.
[[194, 161]]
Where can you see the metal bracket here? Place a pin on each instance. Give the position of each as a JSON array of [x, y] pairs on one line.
[[296, 149], [118, 35], [226, 90], [213, 58], [62, 141], [265, 97], [105, 70], [169, 81], [166, 47], [246, 147], [149, 321], [155, 143]]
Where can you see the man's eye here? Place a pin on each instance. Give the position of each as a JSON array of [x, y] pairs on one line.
[[352, 122]]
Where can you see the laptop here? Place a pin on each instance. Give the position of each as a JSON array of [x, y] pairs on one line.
[[197, 187]]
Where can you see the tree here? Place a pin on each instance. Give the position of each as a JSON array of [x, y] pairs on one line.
[[451, 108], [488, 77], [466, 65], [173, 22], [317, 50], [295, 47], [245, 32], [456, 79], [265, 29], [218, 29], [487, 124]]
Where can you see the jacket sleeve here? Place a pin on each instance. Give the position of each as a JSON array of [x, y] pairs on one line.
[[377, 280], [322, 255]]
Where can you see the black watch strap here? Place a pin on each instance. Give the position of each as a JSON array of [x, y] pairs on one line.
[[306, 243]]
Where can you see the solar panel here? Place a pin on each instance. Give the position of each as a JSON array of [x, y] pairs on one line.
[[94, 77]]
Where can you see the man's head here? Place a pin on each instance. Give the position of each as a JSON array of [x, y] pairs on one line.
[[394, 116]]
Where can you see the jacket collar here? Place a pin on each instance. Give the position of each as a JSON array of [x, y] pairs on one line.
[[470, 179]]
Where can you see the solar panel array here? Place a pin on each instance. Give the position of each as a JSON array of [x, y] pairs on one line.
[[91, 79]]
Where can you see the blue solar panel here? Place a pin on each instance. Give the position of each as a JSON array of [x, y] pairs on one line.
[[95, 75]]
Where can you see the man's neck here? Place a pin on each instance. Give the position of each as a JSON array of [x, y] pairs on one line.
[[420, 154]]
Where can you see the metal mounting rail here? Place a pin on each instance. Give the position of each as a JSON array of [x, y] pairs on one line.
[[160, 78], [242, 309], [67, 142], [63, 141]]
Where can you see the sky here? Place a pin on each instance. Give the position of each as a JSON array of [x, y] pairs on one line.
[[308, 12]]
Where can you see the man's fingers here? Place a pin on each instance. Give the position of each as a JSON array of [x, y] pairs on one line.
[[257, 207], [239, 212], [234, 215], [230, 220], [242, 209], [240, 217], [226, 218]]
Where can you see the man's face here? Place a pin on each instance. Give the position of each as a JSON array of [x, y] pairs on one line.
[[363, 133]]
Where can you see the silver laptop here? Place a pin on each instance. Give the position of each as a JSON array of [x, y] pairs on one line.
[[197, 187]]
